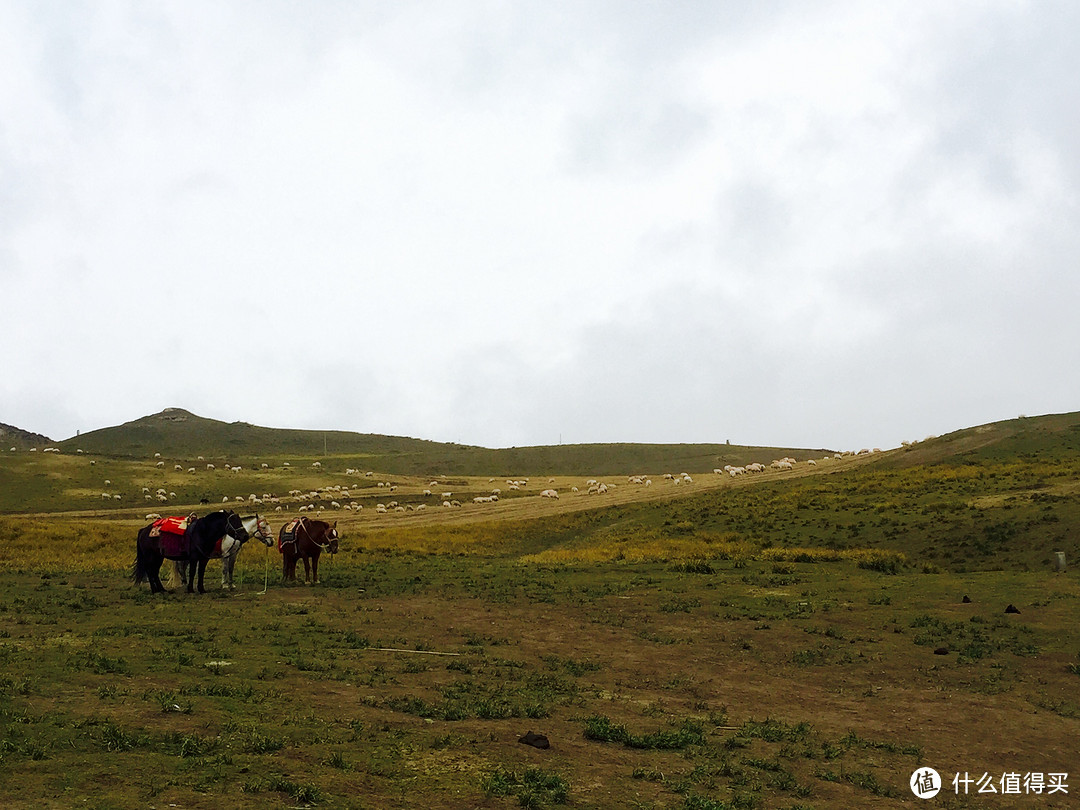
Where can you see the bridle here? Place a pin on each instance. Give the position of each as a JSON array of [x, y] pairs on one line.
[[324, 546], [231, 530], [261, 531]]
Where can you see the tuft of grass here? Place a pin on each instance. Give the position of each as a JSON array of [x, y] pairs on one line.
[[601, 728], [533, 788]]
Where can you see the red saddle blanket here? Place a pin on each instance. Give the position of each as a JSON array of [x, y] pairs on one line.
[[172, 525], [173, 534]]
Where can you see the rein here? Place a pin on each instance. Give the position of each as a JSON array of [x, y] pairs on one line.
[[312, 540]]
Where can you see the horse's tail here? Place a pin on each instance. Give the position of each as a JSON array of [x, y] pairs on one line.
[[177, 574], [138, 569]]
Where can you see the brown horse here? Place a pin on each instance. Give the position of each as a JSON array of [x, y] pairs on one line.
[[305, 539]]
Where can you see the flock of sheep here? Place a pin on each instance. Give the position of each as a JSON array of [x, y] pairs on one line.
[[340, 497]]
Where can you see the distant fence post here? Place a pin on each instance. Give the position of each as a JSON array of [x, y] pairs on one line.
[[1059, 561]]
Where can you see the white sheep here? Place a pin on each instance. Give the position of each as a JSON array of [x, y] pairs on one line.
[[549, 493]]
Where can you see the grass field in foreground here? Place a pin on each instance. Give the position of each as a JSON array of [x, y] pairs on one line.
[[406, 680]]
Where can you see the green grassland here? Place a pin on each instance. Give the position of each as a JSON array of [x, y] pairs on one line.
[[782, 641]]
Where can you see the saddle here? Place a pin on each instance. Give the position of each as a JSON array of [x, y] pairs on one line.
[[288, 533], [173, 532], [171, 525]]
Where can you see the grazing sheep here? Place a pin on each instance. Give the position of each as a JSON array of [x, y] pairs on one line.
[[549, 493]]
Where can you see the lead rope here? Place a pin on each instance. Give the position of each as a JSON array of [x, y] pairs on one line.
[[266, 569]]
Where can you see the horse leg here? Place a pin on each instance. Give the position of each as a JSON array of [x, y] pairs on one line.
[[307, 570], [226, 570], [153, 568], [314, 569], [202, 572]]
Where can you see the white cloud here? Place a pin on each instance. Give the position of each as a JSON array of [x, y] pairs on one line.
[[831, 225]]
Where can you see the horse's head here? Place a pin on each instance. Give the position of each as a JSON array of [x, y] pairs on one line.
[[234, 527], [331, 538], [259, 528]]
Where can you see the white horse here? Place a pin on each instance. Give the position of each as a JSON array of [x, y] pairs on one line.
[[257, 528]]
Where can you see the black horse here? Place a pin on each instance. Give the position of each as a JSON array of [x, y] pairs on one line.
[[196, 546]]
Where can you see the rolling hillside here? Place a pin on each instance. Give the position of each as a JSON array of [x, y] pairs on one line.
[[20, 439], [177, 433]]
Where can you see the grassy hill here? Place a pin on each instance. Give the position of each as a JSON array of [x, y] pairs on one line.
[[20, 439], [179, 434], [1027, 438]]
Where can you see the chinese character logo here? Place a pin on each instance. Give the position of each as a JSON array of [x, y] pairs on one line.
[[925, 783]]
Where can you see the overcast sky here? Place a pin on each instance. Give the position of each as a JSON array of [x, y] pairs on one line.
[[799, 224]]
